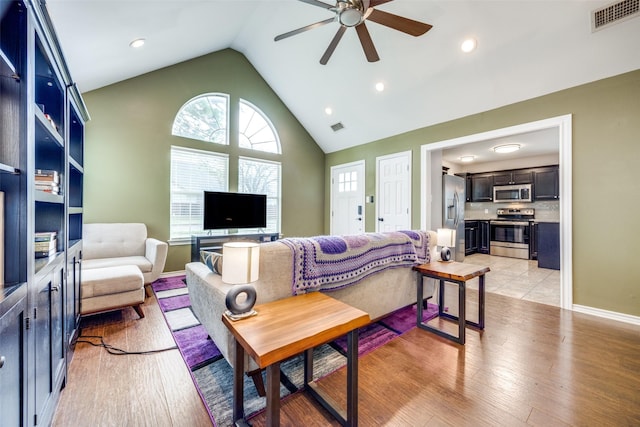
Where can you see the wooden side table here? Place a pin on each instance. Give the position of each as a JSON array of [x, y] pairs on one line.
[[458, 273], [291, 326]]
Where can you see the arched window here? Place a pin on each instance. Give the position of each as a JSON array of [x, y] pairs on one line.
[[256, 130], [205, 118]]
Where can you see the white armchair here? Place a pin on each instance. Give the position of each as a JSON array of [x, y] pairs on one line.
[[117, 244]]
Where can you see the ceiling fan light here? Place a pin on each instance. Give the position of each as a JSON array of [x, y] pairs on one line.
[[350, 17], [506, 148]]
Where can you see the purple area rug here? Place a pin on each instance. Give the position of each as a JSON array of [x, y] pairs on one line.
[[198, 350], [213, 376]]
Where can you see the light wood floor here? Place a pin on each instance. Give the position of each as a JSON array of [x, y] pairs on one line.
[[534, 364]]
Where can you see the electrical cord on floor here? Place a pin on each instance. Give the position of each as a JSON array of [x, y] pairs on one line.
[[117, 351]]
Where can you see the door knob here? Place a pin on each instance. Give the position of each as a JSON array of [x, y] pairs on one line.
[[380, 219]]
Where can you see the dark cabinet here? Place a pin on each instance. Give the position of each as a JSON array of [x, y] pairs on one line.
[[548, 245], [520, 176], [470, 237], [533, 241], [42, 120], [481, 188], [546, 185], [483, 237], [13, 346]]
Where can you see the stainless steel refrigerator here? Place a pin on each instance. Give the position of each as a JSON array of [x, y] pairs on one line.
[[453, 199]]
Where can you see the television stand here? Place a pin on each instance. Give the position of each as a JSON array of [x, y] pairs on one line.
[[211, 242]]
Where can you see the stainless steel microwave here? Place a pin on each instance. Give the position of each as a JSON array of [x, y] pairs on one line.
[[512, 193]]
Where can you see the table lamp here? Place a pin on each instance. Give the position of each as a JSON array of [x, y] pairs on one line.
[[240, 266], [446, 239]]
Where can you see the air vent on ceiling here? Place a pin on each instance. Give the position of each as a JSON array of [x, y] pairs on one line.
[[338, 126], [614, 13]]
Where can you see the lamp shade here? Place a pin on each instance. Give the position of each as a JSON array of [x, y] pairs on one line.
[[240, 262], [446, 237]]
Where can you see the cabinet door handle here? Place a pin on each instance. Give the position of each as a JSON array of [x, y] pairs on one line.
[[380, 219], [55, 288], [2, 359]]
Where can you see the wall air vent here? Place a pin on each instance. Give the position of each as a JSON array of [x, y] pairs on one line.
[[338, 126], [614, 13]]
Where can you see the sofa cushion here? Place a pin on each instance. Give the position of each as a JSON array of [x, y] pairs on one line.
[[113, 240], [213, 260], [141, 262], [111, 280]]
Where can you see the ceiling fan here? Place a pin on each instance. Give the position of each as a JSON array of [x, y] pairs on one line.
[[354, 13]]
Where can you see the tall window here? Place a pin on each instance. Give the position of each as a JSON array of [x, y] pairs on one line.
[[262, 177], [256, 131], [205, 118], [193, 172]]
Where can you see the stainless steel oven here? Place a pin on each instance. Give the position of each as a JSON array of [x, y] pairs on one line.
[[509, 234]]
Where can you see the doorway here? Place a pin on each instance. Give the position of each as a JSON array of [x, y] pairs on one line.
[[393, 191], [347, 198], [562, 125]]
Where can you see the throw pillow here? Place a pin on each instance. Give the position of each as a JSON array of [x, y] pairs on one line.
[[213, 260]]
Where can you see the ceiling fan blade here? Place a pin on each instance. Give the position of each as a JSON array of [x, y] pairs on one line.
[[303, 29], [367, 44], [333, 45], [406, 25], [318, 3], [375, 3]]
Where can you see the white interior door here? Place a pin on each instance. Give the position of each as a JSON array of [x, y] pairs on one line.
[[347, 198], [393, 174]]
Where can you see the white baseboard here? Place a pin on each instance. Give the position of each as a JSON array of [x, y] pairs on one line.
[[173, 273], [612, 315]]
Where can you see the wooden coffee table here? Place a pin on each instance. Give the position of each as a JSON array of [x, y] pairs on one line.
[[288, 327], [458, 273]]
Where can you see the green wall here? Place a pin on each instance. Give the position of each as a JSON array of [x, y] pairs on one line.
[[606, 195], [128, 140]]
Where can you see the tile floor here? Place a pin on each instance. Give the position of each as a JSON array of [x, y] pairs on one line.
[[518, 278]]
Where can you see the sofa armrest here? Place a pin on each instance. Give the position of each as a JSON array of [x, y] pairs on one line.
[[156, 253]]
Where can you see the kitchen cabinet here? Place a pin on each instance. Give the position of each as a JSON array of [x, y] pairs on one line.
[[482, 187], [470, 237], [533, 241], [546, 185], [548, 245], [519, 176], [483, 237]]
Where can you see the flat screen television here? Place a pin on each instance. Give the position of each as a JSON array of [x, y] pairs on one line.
[[224, 210]]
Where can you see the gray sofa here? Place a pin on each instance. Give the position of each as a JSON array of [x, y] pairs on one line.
[[377, 294]]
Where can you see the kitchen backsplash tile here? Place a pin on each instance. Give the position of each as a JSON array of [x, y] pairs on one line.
[[545, 211]]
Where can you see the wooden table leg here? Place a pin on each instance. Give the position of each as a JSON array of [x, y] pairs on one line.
[[238, 384], [273, 395], [352, 378]]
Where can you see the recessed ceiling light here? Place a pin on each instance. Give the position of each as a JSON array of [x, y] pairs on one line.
[[137, 43], [506, 148], [379, 86], [328, 111], [467, 159], [469, 45]]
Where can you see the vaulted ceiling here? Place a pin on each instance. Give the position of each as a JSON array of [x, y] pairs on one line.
[[525, 49]]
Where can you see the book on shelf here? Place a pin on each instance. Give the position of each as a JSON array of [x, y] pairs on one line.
[[45, 236], [45, 254], [47, 180], [45, 246]]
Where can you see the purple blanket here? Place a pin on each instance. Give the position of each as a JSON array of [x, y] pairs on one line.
[[334, 262]]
